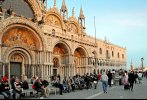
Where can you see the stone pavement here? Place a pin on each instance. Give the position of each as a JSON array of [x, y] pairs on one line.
[[114, 92]]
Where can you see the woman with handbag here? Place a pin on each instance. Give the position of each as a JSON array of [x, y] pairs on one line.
[[125, 81]]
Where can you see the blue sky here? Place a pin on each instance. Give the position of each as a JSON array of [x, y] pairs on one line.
[[123, 22]]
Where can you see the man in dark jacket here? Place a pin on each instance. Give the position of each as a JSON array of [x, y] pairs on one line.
[[5, 90], [109, 78], [95, 81], [131, 80], [39, 87]]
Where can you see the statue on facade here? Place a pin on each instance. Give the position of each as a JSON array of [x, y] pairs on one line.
[[43, 4], [1, 1], [1, 10], [10, 11]]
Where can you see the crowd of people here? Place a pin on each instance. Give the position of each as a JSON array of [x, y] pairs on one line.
[[68, 84], [9, 90], [128, 79]]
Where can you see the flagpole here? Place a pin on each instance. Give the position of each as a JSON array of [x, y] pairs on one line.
[[95, 30], [96, 66]]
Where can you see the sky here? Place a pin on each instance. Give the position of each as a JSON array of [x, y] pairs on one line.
[[122, 22]]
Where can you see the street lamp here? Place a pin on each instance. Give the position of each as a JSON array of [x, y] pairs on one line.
[[142, 63]]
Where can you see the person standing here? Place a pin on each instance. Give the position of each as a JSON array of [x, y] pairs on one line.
[[87, 81], [109, 78], [136, 77], [131, 80], [125, 80], [95, 81], [104, 79], [139, 77]]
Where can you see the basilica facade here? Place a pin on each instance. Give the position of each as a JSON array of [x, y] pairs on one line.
[[36, 41]]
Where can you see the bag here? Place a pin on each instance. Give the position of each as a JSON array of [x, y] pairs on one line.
[[45, 83], [19, 89], [139, 78], [25, 85], [112, 82], [33, 86], [95, 82], [126, 86]]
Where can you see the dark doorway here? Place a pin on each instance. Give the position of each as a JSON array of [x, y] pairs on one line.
[[54, 72], [16, 69]]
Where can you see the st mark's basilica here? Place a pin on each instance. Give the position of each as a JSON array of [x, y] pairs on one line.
[[36, 41]]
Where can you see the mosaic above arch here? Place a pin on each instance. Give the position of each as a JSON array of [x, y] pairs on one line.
[[16, 58], [20, 36]]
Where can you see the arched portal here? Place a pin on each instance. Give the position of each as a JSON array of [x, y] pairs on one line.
[[17, 61], [61, 59], [20, 45], [80, 61], [94, 61]]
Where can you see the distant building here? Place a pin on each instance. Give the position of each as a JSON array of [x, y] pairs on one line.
[[131, 66], [145, 69], [36, 41]]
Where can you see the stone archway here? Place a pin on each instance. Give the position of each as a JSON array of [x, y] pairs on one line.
[[17, 61], [94, 61], [80, 61], [25, 43], [61, 56]]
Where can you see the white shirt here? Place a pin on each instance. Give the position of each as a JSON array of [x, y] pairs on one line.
[[104, 77], [139, 74]]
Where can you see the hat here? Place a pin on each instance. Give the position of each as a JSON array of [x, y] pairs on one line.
[[4, 79]]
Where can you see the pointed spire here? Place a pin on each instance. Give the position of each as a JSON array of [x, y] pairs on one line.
[[64, 10], [63, 7], [73, 11], [81, 21], [81, 16], [131, 62], [54, 3], [131, 66], [105, 39]]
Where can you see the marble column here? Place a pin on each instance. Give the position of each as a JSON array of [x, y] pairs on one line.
[[3, 65]]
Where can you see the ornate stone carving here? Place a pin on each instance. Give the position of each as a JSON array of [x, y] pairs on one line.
[[56, 62], [16, 58], [53, 21], [73, 18], [72, 28]]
